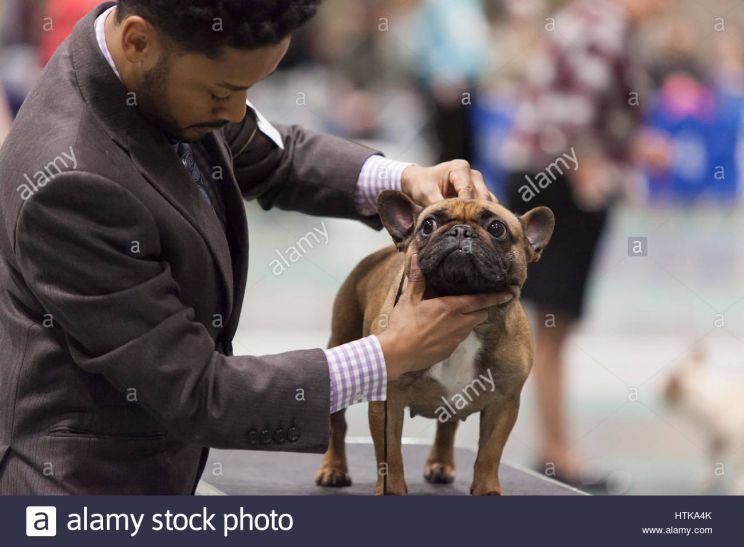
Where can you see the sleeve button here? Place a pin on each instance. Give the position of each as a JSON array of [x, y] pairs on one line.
[[253, 437], [293, 434], [266, 437], [280, 436]]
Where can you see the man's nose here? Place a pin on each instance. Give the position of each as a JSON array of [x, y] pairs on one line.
[[461, 231], [234, 110]]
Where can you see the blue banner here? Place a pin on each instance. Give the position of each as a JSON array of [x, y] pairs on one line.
[[362, 520]]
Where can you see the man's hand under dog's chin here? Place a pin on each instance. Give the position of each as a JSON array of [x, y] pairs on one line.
[[427, 185]]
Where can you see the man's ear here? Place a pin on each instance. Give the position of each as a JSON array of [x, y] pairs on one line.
[[538, 225], [398, 214]]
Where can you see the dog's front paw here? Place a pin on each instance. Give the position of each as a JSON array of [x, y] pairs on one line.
[[439, 473], [333, 476], [487, 488]]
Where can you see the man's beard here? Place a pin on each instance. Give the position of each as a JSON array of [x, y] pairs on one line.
[[153, 104]]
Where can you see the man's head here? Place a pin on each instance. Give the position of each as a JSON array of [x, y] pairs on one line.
[[467, 246], [190, 64]]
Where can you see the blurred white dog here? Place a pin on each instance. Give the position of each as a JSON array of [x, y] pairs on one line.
[[715, 402]]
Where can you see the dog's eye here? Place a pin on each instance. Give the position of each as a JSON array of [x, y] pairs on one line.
[[497, 229], [428, 226]]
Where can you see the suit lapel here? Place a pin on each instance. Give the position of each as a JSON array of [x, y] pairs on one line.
[[162, 168], [147, 146], [218, 153]]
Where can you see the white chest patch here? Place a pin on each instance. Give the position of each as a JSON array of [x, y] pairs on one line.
[[459, 370]]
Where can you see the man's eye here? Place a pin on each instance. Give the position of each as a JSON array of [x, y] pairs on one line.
[[428, 226], [220, 99]]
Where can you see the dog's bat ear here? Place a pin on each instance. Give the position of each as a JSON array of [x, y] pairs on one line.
[[538, 225], [398, 214]]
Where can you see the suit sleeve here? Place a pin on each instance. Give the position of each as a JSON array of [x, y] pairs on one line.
[[122, 318], [315, 173]]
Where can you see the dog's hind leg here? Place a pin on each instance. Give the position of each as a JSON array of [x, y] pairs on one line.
[[346, 326], [333, 470], [440, 466]]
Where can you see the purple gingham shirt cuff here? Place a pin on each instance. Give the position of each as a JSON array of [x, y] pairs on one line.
[[357, 371], [377, 174]]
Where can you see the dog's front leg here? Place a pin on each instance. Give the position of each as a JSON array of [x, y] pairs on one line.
[[496, 422], [390, 475]]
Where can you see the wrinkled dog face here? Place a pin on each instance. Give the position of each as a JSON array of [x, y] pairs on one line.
[[467, 246]]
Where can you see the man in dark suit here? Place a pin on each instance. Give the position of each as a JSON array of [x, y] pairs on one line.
[[124, 254]]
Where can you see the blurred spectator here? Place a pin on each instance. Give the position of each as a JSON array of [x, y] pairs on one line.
[[571, 151], [362, 68], [346, 55], [516, 34], [698, 110], [702, 126], [19, 34], [728, 64], [20, 20], [677, 52], [450, 41], [60, 17], [6, 119]]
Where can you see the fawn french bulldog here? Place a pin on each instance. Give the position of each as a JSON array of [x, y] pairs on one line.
[[461, 247]]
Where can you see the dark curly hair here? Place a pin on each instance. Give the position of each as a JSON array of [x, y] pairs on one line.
[[206, 26]]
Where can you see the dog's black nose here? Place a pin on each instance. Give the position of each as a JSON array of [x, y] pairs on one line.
[[461, 230]]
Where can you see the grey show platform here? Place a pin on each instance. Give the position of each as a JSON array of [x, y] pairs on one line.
[[244, 472]]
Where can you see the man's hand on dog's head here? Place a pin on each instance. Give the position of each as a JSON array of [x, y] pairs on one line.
[[422, 332], [427, 185]]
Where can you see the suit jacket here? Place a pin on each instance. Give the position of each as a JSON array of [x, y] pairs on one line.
[[120, 293]]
